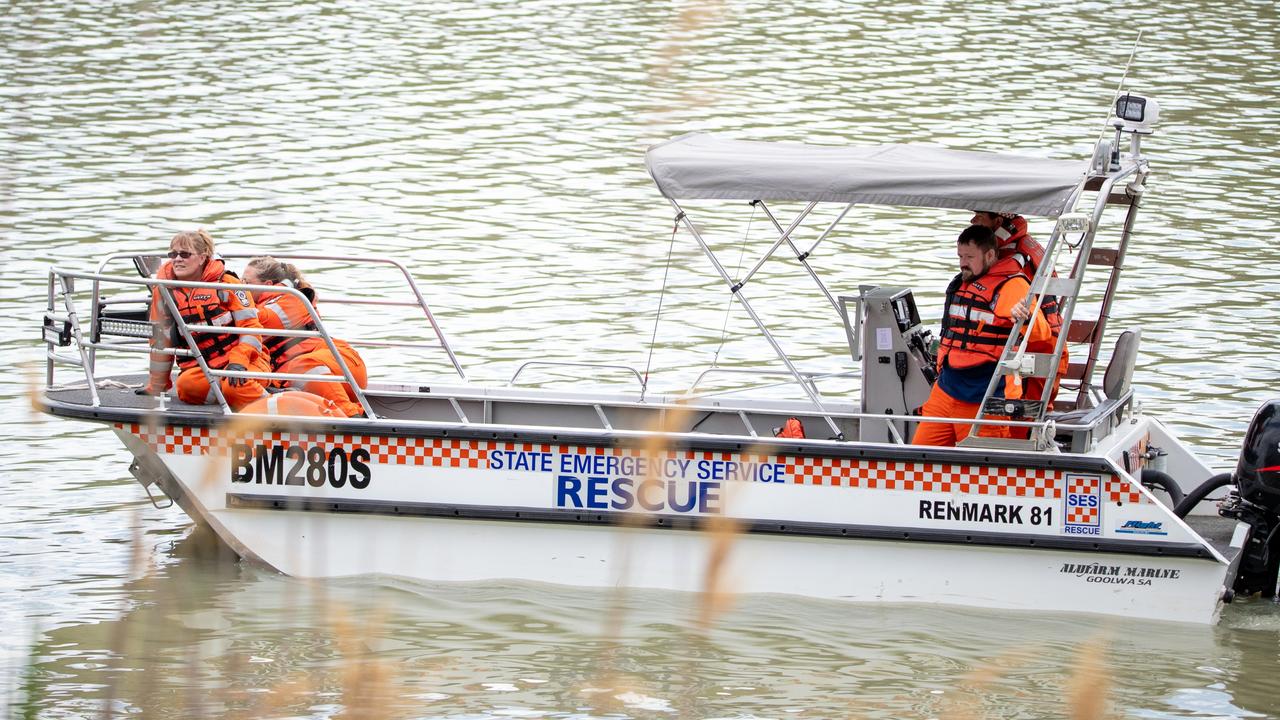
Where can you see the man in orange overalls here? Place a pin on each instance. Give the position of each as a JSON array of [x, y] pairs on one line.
[[983, 301]]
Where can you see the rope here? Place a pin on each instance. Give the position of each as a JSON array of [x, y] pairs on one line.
[[728, 306], [1119, 87], [675, 227]]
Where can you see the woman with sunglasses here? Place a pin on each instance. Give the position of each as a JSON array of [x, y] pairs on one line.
[[191, 258], [302, 355]]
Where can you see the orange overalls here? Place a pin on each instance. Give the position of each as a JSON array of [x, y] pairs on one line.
[[1015, 242], [977, 323], [309, 355], [205, 306]]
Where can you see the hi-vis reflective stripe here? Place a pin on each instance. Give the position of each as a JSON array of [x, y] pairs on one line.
[[244, 314], [974, 315], [873, 475], [275, 309], [251, 341]]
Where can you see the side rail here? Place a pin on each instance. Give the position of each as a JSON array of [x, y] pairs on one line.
[[146, 264], [62, 328]]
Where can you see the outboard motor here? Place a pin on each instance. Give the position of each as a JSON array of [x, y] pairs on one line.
[[1256, 500]]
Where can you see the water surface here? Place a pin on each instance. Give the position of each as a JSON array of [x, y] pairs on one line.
[[497, 150]]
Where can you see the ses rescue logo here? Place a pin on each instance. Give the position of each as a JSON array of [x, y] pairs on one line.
[[1082, 505]]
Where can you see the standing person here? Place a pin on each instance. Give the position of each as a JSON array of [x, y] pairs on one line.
[[191, 258], [302, 355], [1014, 241], [983, 301]]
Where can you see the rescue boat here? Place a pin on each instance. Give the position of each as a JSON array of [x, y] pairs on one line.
[[1099, 509]]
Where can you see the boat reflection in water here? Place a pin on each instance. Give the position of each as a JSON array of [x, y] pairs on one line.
[[207, 636]]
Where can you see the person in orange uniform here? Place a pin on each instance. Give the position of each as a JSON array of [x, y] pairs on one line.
[[192, 259], [302, 355], [1014, 241], [983, 301]]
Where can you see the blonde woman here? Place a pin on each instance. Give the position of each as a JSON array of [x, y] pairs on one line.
[[191, 258]]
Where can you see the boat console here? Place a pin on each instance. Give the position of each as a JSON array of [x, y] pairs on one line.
[[893, 350]]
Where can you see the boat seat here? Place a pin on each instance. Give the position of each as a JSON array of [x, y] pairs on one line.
[[1117, 383], [147, 265]]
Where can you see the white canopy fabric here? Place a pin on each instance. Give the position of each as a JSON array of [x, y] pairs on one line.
[[705, 166]]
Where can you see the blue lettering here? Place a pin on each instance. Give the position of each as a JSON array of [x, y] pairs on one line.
[[623, 499], [519, 460], [690, 498], [709, 497], [596, 489], [643, 495], [600, 492], [1078, 500], [568, 486]]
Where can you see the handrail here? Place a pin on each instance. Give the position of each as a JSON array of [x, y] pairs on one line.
[[187, 331], [420, 300], [807, 374], [633, 371]]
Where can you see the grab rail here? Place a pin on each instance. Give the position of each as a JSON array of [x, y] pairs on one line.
[[519, 370], [63, 278], [419, 300]]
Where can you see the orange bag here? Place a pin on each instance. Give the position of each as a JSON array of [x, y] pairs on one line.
[[792, 428]]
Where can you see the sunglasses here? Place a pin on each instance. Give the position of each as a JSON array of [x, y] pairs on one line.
[[184, 254]]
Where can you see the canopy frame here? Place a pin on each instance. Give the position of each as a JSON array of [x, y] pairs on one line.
[[1015, 349]]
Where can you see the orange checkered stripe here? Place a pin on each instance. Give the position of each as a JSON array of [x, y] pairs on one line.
[[926, 477], [436, 452], [172, 440], [944, 478], [1119, 491], [625, 452], [869, 474], [1082, 515]]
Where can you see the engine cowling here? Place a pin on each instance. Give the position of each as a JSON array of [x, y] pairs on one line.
[[1258, 471]]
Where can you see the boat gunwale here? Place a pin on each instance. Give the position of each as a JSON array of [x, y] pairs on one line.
[[600, 437]]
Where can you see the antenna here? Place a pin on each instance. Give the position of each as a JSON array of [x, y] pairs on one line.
[[1107, 155], [1120, 87]]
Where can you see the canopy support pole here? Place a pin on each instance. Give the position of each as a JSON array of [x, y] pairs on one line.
[[803, 257], [786, 236], [736, 288]]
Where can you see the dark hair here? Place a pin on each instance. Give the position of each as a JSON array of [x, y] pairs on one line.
[[978, 235]]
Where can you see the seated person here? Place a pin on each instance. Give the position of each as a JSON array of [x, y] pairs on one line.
[[982, 304], [191, 258], [302, 355]]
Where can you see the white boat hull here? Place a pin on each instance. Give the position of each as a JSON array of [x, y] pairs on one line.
[[755, 521]]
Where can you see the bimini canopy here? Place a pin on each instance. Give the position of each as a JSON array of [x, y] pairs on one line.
[[703, 166]]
